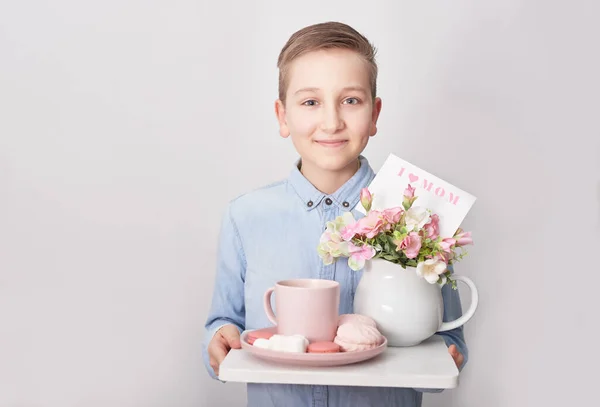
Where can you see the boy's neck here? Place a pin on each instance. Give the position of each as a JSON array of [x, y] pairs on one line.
[[328, 181]]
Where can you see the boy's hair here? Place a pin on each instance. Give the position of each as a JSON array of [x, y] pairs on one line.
[[326, 35]]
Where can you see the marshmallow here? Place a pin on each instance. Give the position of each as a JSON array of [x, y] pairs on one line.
[[291, 343], [283, 343], [262, 343]]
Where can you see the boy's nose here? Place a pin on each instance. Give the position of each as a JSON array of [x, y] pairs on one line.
[[331, 120]]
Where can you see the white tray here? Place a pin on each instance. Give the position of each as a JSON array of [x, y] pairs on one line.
[[427, 366]]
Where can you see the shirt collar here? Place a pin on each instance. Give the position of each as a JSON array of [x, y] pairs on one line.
[[346, 197]]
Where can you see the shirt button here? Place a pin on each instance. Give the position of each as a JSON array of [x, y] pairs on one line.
[[346, 204], [309, 203], [328, 201]]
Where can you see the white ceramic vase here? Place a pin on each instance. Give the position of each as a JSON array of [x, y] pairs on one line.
[[406, 308]]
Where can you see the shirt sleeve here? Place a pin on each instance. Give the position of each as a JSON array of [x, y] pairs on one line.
[[227, 305], [452, 311]]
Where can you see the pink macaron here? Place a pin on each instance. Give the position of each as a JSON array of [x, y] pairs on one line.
[[258, 334], [323, 347]]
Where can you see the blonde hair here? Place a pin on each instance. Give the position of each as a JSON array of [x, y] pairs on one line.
[[326, 35]]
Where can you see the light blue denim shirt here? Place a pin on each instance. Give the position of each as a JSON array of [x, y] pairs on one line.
[[271, 234]]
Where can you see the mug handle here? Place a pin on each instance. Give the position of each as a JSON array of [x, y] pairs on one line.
[[267, 305], [446, 326]]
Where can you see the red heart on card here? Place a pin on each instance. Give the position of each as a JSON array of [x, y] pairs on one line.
[[412, 177]]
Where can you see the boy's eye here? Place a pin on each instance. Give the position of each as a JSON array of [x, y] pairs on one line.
[[351, 101], [310, 103]]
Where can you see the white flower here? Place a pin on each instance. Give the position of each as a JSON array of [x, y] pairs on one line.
[[337, 225], [332, 246], [325, 254], [431, 270], [416, 218], [347, 219]]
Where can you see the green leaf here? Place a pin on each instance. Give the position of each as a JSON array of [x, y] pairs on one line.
[[394, 254]]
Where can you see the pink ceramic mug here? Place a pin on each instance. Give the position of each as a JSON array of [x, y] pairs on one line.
[[307, 307]]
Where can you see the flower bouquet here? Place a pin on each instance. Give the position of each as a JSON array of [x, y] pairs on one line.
[[407, 235]]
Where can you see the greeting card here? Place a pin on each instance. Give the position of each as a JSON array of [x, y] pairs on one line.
[[450, 202]]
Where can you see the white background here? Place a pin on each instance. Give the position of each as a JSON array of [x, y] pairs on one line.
[[126, 126]]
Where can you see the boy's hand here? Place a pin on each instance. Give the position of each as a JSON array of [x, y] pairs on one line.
[[226, 338], [456, 355]]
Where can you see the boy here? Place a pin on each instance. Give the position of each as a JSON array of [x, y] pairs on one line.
[[328, 106]]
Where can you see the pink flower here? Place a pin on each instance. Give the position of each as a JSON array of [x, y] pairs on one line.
[[349, 231], [463, 238], [446, 244], [366, 199], [393, 215], [411, 245], [409, 192], [358, 255], [444, 256], [432, 229], [371, 224]]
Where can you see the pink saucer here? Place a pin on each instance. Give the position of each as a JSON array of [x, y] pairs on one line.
[[311, 359]]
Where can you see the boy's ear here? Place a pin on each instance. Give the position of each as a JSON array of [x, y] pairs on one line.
[[375, 115], [284, 131]]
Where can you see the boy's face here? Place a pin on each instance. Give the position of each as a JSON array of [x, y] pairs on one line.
[[329, 111]]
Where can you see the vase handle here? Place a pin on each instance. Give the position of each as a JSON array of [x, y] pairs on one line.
[[446, 326]]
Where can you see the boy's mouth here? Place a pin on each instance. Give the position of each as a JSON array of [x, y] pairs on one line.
[[331, 143]]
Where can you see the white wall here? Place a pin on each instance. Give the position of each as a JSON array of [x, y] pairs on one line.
[[117, 119]]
